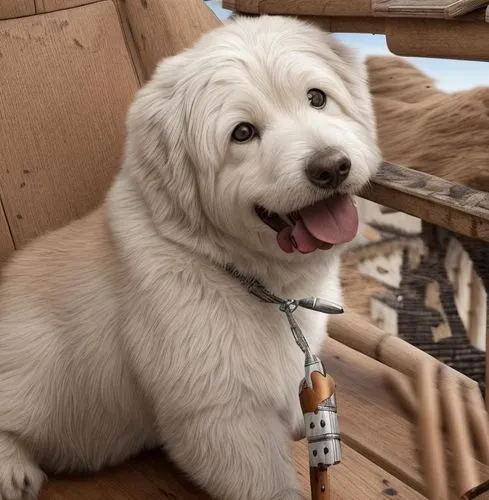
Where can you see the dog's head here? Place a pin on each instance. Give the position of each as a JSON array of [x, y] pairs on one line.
[[261, 131]]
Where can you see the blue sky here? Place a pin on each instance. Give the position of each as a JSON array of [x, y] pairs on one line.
[[450, 75]]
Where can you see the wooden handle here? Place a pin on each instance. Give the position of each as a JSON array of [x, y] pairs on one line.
[[320, 487]]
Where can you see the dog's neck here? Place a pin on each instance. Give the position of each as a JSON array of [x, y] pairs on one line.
[[280, 276]]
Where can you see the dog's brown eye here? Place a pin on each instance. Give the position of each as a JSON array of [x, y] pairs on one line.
[[317, 98], [244, 132]]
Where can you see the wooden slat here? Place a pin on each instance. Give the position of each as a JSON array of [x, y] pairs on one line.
[[355, 477], [246, 6], [372, 25], [303, 7], [376, 25], [53, 5], [65, 139], [341, 24], [184, 23], [149, 476], [369, 418], [16, 8], [438, 38], [425, 8], [152, 476], [446, 204]]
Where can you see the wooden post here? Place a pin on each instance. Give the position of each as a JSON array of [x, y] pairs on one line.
[[430, 437], [466, 476]]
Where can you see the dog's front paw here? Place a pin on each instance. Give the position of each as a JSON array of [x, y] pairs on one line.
[[20, 478], [20, 481]]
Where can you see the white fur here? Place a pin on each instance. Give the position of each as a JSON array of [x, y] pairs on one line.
[[121, 331]]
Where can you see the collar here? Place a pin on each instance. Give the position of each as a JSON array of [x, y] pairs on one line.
[[257, 289]]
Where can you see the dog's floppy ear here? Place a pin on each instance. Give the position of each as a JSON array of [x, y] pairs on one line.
[[154, 115], [155, 148]]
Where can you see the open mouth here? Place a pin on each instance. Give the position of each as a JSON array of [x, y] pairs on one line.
[[319, 226]]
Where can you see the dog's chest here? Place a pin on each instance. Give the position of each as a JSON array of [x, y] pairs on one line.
[[272, 353]]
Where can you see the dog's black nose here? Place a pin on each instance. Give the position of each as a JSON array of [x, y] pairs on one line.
[[329, 169]]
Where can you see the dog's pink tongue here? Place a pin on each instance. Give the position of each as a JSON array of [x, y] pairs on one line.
[[284, 240], [332, 221]]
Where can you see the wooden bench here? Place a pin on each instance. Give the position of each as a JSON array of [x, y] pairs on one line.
[[54, 174]]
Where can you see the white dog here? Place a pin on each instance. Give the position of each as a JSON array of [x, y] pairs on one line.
[[123, 330]]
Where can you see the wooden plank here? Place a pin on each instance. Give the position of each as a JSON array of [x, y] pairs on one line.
[[184, 23], [373, 25], [149, 476], [487, 14], [53, 5], [354, 477], [341, 24], [16, 8], [459, 208], [245, 6], [306, 7], [153, 476], [65, 139], [438, 38], [423, 8]]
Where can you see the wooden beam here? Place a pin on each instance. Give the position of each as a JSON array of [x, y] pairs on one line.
[[342, 24], [302, 7], [455, 207], [357, 333], [438, 38], [246, 6]]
